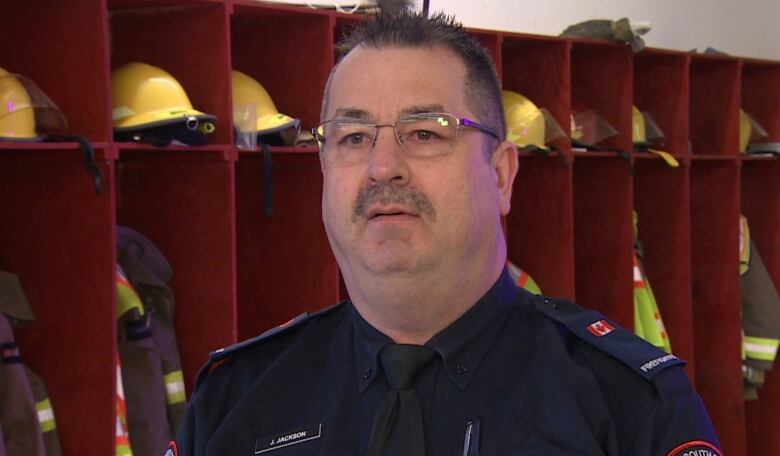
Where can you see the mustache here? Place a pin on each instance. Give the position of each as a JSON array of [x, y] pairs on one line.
[[389, 194]]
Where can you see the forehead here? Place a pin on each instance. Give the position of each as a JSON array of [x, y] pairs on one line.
[[388, 81]]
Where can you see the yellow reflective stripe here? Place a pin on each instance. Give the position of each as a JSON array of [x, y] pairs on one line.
[[532, 286], [174, 387], [46, 415], [523, 279], [744, 245], [126, 296], [761, 348], [648, 323], [763, 341], [743, 353], [123, 450]]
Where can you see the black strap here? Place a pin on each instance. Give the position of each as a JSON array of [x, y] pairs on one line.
[[89, 157], [561, 155], [621, 153], [534, 149], [267, 181], [545, 151]]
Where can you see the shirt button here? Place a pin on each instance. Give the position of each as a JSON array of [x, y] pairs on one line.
[[366, 374], [460, 369]]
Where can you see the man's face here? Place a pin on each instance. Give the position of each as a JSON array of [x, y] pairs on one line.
[[392, 212]]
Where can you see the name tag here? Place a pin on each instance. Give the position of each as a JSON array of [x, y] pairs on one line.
[[266, 444]]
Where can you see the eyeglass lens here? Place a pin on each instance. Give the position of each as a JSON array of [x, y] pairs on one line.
[[419, 135]]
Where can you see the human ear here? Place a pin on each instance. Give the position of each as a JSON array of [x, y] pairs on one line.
[[504, 163]]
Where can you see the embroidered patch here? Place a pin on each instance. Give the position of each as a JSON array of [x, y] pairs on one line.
[[600, 328], [652, 364], [696, 448], [173, 449], [266, 444]]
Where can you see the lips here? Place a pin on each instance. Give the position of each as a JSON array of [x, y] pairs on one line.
[[388, 211]]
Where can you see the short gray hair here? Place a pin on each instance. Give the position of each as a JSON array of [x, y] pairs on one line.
[[414, 30]]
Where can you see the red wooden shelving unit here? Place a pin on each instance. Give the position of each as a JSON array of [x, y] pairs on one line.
[[716, 316], [760, 203], [539, 227], [662, 193], [185, 206], [603, 188], [284, 257]]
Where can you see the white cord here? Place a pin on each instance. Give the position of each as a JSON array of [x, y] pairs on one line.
[[338, 7]]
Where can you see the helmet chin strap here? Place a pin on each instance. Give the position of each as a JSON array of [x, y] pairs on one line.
[[89, 157]]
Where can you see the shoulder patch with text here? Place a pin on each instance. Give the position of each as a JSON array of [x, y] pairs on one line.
[[596, 330], [173, 449], [696, 448]]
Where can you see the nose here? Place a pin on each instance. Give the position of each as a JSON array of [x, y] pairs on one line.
[[387, 163]]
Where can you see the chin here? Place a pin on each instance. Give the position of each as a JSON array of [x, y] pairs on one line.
[[392, 263], [392, 267]]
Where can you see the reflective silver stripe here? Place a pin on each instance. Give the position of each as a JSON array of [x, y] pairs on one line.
[[761, 348]]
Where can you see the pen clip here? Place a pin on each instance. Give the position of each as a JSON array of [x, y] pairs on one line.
[[471, 439]]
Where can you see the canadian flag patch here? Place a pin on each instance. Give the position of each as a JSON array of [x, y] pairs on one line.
[[600, 328]]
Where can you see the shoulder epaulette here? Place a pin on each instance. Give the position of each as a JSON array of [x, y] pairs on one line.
[[218, 356], [607, 336]]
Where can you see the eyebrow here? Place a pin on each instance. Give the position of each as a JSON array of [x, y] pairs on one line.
[[362, 114], [352, 113], [422, 108]]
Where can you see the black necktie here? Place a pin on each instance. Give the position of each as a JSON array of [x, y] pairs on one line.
[[398, 424]]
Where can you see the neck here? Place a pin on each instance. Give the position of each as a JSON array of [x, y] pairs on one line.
[[412, 308]]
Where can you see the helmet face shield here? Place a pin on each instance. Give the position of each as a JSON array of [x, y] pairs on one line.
[[244, 124], [753, 138], [26, 113], [255, 114], [757, 132], [653, 133], [552, 129], [278, 129], [590, 129], [645, 131]]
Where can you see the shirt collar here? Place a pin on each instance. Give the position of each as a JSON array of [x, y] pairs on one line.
[[462, 345], [368, 341]]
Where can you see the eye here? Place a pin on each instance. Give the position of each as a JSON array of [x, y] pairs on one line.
[[423, 136], [354, 139], [425, 129]]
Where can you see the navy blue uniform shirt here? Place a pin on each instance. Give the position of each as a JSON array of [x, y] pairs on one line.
[[525, 374]]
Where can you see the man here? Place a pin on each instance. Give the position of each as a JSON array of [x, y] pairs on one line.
[[437, 352]]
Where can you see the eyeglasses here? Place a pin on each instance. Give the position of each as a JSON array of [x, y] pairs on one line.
[[426, 134]]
